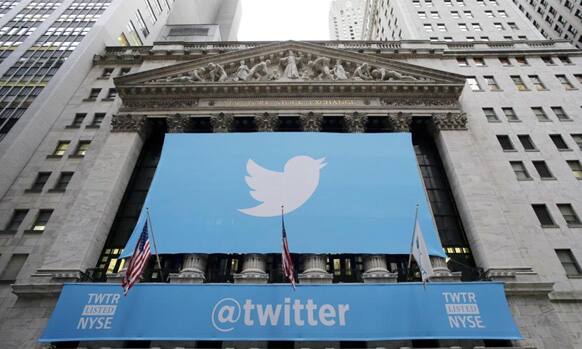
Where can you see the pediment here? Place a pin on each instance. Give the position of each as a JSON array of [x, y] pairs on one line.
[[289, 62]]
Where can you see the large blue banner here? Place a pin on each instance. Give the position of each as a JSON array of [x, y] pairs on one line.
[[342, 193], [276, 312]]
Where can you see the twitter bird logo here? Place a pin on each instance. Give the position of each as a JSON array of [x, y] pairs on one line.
[[290, 188]]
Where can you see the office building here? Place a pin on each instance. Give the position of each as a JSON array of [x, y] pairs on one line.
[[346, 19]]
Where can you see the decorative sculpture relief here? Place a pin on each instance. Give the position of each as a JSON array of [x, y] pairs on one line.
[[362, 72], [216, 72], [242, 72], [339, 71], [450, 121], [384, 74], [266, 122], [356, 122], [311, 122], [259, 70], [178, 123], [128, 123], [320, 69], [290, 63], [400, 122], [222, 122]]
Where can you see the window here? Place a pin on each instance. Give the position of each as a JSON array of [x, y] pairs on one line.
[[441, 27], [565, 59], [510, 114], [547, 60], [537, 82], [41, 220], [569, 214], [502, 13], [97, 120], [543, 169], [94, 94], [479, 62], [82, 148], [543, 215], [491, 83], [77, 120], [468, 14], [470, 38], [559, 142], [569, 262], [578, 77], [512, 26], [124, 71], [435, 14], [473, 84], [576, 168], [540, 114], [13, 267], [519, 83], [526, 143], [578, 139], [39, 182], [462, 62], [111, 94], [561, 114], [504, 61], [421, 14], [16, 219], [521, 60], [498, 26], [489, 14], [490, 115], [565, 82], [463, 27], [505, 143], [428, 27], [63, 181], [520, 171], [61, 148], [455, 14], [484, 38], [476, 27], [107, 73]]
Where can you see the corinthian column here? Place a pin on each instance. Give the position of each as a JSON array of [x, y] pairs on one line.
[[254, 270], [193, 269], [441, 271], [315, 270], [311, 122], [222, 122], [356, 122], [266, 122], [376, 270]]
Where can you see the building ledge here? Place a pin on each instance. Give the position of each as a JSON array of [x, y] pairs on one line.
[[528, 288], [24, 290]]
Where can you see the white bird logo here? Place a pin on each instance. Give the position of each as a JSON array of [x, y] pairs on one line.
[[290, 188]]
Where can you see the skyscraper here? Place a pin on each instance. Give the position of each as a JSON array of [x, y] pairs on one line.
[[346, 19]]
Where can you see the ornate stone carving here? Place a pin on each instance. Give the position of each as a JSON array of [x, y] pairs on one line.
[[362, 72], [339, 72], [266, 122], [222, 122], [178, 123], [400, 122], [192, 76], [128, 123], [320, 69], [420, 101], [386, 74], [356, 122], [311, 122], [168, 103], [216, 72], [242, 73], [290, 63], [259, 71], [450, 121]]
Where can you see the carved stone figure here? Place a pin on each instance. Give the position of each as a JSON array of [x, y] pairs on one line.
[[384, 74], [320, 68], [290, 63], [362, 72], [339, 72], [242, 72], [259, 70], [192, 76], [216, 72]]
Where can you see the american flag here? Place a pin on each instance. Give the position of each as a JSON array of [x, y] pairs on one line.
[[286, 256], [138, 260]]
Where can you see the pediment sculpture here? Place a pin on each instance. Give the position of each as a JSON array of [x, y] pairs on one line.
[[289, 66]]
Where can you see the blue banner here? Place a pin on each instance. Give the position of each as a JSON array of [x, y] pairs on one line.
[[342, 193], [275, 312]]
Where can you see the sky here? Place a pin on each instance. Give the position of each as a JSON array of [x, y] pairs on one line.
[[264, 20]]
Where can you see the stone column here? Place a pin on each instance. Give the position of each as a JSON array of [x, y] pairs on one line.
[[441, 271], [87, 222], [254, 270], [356, 122], [222, 122], [311, 122], [266, 122], [315, 270], [178, 123], [193, 270], [376, 270], [400, 122]]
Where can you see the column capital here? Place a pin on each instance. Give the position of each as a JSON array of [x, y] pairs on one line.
[[129, 123], [356, 122], [254, 270], [193, 270], [266, 122], [311, 122], [222, 122], [400, 122], [450, 121], [376, 270], [315, 270], [178, 123], [442, 272]]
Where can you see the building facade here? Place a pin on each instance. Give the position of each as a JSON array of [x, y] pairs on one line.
[[495, 124], [346, 19]]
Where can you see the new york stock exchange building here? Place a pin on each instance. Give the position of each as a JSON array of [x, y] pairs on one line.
[[206, 141]]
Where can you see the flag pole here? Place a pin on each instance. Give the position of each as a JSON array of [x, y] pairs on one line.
[[412, 240], [155, 244]]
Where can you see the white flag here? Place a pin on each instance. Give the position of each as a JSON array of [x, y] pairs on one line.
[[420, 253]]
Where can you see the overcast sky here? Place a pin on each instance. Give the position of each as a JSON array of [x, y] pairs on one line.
[[284, 20]]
